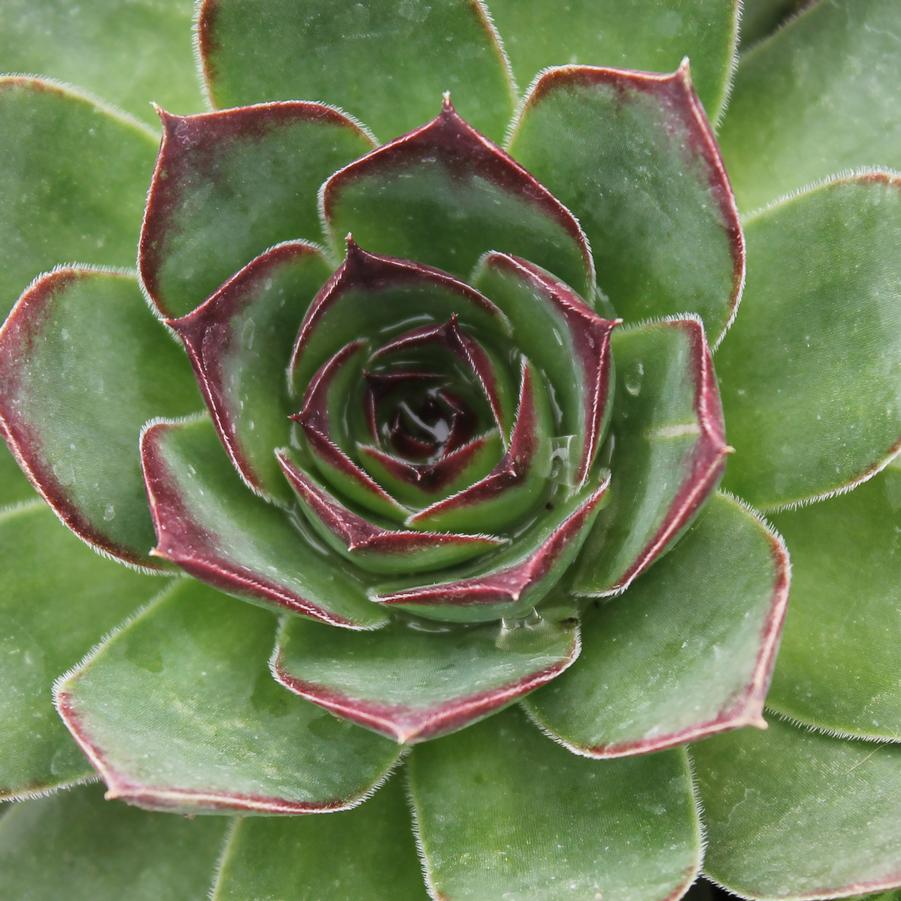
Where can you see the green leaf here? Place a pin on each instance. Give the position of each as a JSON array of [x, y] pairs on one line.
[[413, 684], [668, 451], [84, 365], [702, 629], [14, 487], [239, 341], [178, 711], [229, 185], [395, 59], [839, 668], [79, 847], [760, 18], [500, 810], [793, 814], [810, 374], [633, 156], [365, 853], [73, 181], [816, 97], [129, 53], [210, 524], [443, 195], [628, 34], [57, 600]]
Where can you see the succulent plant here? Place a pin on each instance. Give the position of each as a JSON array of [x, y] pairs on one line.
[[445, 397]]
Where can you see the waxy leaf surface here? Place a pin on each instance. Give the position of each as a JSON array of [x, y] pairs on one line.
[[413, 684], [765, 794], [364, 853], [818, 96], [178, 711], [634, 158], [444, 195], [254, 50], [501, 809], [84, 365], [210, 524], [687, 652], [73, 181], [78, 846], [668, 452], [231, 184], [810, 374], [839, 667], [57, 599]]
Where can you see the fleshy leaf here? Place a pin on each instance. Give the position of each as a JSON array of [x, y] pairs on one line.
[[84, 365], [760, 18], [668, 455], [230, 184], [577, 361], [371, 293], [686, 653], [810, 375], [214, 528], [635, 34], [413, 684], [633, 156], [268, 857], [14, 487], [444, 195], [178, 711], [57, 599], [80, 847], [501, 810], [518, 483], [129, 53], [370, 546], [816, 97], [838, 668], [74, 179], [766, 793], [239, 342], [395, 59], [514, 580]]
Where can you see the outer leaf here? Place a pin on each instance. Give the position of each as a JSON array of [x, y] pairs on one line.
[[815, 97], [178, 711], [228, 185], [72, 183], [413, 684], [255, 50], [760, 18], [530, 820], [632, 34], [686, 653], [810, 377], [14, 487], [214, 528], [80, 847], [239, 341], [84, 366], [766, 793], [309, 857], [633, 156], [444, 195], [57, 599], [839, 667], [514, 580], [130, 53], [668, 453]]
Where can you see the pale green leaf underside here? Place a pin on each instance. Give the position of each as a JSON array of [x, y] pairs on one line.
[[77, 846], [810, 372], [818, 96], [180, 711], [794, 814], [501, 809], [839, 666], [57, 599]]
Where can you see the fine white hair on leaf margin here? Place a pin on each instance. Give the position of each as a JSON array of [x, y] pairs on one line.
[[424, 864], [34, 794], [734, 57], [224, 851], [829, 731]]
